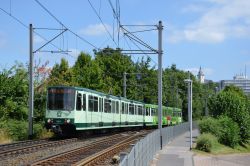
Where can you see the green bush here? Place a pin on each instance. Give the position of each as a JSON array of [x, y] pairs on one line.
[[205, 142], [38, 130], [210, 125], [18, 130], [232, 103], [230, 131]]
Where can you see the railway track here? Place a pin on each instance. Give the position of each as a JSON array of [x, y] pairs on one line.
[[20, 144], [100, 157], [8, 150], [109, 145]]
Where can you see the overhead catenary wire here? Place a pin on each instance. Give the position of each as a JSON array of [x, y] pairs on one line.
[[133, 37], [116, 14], [27, 27], [145, 30], [141, 50], [105, 27], [50, 13]]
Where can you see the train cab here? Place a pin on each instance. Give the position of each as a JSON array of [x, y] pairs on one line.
[[60, 109]]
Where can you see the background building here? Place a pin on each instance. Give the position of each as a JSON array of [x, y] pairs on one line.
[[201, 76], [240, 81]]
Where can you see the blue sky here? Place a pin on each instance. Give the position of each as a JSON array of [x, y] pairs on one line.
[[213, 34]]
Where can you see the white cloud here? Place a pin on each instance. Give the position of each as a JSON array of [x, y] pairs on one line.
[[194, 8], [95, 30], [225, 19]]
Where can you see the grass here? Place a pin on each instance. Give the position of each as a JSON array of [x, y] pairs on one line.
[[219, 149], [4, 138], [46, 134]]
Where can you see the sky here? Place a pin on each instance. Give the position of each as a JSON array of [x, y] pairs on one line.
[[211, 34]]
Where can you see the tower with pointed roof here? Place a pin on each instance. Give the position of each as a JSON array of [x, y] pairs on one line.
[[201, 76]]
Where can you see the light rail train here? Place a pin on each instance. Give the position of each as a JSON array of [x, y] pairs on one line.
[[73, 108]]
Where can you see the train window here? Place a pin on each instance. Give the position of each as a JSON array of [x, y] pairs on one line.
[[139, 110], [100, 104], [126, 108], [117, 107], [93, 103], [123, 108], [84, 102], [61, 99], [131, 109], [147, 111], [79, 102], [153, 110], [113, 107], [107, 106]]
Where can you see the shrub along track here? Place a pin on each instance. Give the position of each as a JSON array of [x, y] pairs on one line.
[[94, 152], [13, 149]]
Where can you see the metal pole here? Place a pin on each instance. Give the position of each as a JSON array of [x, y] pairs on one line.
[[190, 84], [189, 111], [160, 28], [124, 84], [191, 121], [31, 86]]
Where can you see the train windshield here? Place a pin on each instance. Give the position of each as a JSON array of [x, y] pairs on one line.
[[61, 99]]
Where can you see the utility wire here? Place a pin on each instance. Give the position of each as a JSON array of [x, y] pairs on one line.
[[138, 39], [106, 29], [13, 17], [27, 27], [116, 14], [145, 30], [40, 4], [141, 49]]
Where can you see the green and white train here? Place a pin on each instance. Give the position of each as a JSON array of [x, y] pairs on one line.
[[74, 108]]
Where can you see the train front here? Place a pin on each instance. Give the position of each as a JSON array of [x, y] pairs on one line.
[[60, 110]]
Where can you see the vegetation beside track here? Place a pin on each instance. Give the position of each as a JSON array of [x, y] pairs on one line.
[[218, 149], [227, 129]]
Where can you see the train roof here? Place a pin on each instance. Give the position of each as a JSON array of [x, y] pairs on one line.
[[99, 93], [163, 107]]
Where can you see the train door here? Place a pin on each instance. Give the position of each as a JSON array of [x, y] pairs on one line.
[[93, 109], [113, 110], [101, 110], [80, 115]]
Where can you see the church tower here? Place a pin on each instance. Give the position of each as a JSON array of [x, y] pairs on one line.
[[201, 76]]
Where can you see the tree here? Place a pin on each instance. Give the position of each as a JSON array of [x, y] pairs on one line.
[[230, 102], [87, 72], [61, 74], [14, 93], [113, 64]]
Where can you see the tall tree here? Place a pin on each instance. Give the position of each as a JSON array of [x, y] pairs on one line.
[[113, 64], [61, 74], [87, 72]]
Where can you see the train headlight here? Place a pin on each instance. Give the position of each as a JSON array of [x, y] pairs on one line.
[[68, 121], [50, 121]]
